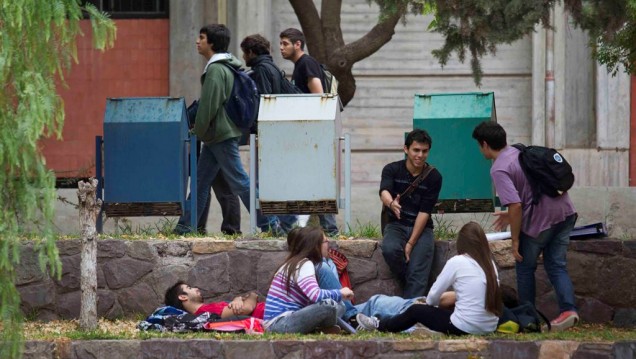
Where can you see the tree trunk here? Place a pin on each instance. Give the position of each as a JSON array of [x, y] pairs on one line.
[[89, 207]]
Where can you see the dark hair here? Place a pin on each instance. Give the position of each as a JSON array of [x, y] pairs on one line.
[[218, 36], [256, 44], [294, 35], [472, 240], [308, 241], [292, 238], [418, 135], [492, 133], [171, 297]]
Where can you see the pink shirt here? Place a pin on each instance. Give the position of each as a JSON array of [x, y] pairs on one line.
[[513, 187]]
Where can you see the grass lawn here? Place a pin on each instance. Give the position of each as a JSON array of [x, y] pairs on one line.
[[126, 329]]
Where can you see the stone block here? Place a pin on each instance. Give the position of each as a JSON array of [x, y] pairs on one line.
[[174, 249], [262, 245], [141, 250], [242, 270], [68, 305], [616, 282], [288, 349], [502, 252], [629, 249], [268, 263], [624, 349], [182, 349], [69, 247], [358, 247], [585, 271], [106, 302], [610, 247], [557, 349], [384, 286], [472, 345], [212, 246], [38, 350], [28, 270], [139, 299], [625, 318], [164, 277], [111, 349], [211, 275], [248, 349], [36, 296], [593, 351], [124, 272], [361, 270], [70, 280], [111, 248], [513, 349], [592, 310], [384, 272], [411, 346]]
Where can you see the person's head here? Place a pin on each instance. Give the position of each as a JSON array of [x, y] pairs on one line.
[[309, 243], [491, 138], [213, 38], [253, 46], [292, 44], [471, 240], [181, 293], [417, 147]]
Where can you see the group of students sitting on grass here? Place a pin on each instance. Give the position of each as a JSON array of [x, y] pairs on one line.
[[305, 295]]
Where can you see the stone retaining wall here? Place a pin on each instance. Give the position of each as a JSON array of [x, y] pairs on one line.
[[133, 275], [202, 348]]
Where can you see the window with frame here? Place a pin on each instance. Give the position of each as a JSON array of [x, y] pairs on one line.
[[132, 9]]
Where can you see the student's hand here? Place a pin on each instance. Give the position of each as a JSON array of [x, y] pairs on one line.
[[407, 251], [515, 250], [502, 221], [236, 305], [347, 294], [395, 206]]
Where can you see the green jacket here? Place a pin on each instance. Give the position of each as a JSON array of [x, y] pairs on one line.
[[212, 123]]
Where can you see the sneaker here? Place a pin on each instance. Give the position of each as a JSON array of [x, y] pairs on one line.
[[565, 321], [367, 323], [345, 326], [334, 329], [422, 331]]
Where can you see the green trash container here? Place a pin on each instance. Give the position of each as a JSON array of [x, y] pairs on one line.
[[450, 119]]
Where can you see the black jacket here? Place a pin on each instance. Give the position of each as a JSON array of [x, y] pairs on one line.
[[266, 75]]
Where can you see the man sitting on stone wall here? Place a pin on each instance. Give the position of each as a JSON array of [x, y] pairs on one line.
[[185, 297]]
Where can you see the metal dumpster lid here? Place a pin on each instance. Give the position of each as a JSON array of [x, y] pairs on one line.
[[144, 109]]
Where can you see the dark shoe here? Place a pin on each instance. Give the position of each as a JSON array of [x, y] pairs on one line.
[[334, 329]]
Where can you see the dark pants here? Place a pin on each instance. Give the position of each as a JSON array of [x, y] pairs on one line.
[[415, 273], [434, 318], [230, 207]]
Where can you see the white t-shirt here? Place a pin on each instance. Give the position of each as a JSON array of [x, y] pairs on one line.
[[469, 282]]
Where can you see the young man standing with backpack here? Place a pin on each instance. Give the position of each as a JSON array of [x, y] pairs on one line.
[[216, 130], [535, 228], [309, 78]]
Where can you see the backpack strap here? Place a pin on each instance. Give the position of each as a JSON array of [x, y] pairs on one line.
[[418, 180]]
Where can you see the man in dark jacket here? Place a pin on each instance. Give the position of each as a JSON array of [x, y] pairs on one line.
[[269, 80]]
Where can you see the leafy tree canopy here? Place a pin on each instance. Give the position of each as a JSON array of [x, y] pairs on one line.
[[37, 43]]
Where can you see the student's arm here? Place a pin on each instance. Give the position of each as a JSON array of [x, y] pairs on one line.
[[512, 217], [444, 281], [241, 305], [386, 186], [427, 204], [418, 228], [315, 85]]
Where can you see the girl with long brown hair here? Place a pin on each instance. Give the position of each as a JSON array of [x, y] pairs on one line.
[[295, 303], [473, 276]]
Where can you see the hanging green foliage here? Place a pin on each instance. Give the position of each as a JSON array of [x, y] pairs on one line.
[[37, 44]]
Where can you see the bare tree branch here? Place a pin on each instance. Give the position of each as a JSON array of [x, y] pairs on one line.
[[332, 32], [373, 40], [309, 19]]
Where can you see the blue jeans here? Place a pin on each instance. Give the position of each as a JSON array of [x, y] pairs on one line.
[[224, 157], [328, 280], [554, 244], [328, 224], [384, 306], [415, 273], [323, 314]]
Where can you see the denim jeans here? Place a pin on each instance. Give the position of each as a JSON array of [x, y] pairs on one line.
[[323, 314], [384, 306], [328, 280], [415, 273], [328, 224], [554, 244], [230, 208], [224, 156]]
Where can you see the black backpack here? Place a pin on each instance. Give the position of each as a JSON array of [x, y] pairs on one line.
[[547, 171], [242, 105], [527, 317]]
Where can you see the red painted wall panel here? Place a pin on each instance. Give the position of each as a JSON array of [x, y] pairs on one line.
[[136, 66]]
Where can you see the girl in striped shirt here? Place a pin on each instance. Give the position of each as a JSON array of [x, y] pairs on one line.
[[295, 303]]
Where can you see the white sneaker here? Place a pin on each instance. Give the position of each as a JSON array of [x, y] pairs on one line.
[[422, 331], [367, 323]]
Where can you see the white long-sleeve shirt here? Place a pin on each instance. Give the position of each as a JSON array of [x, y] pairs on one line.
[[468, 280]]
